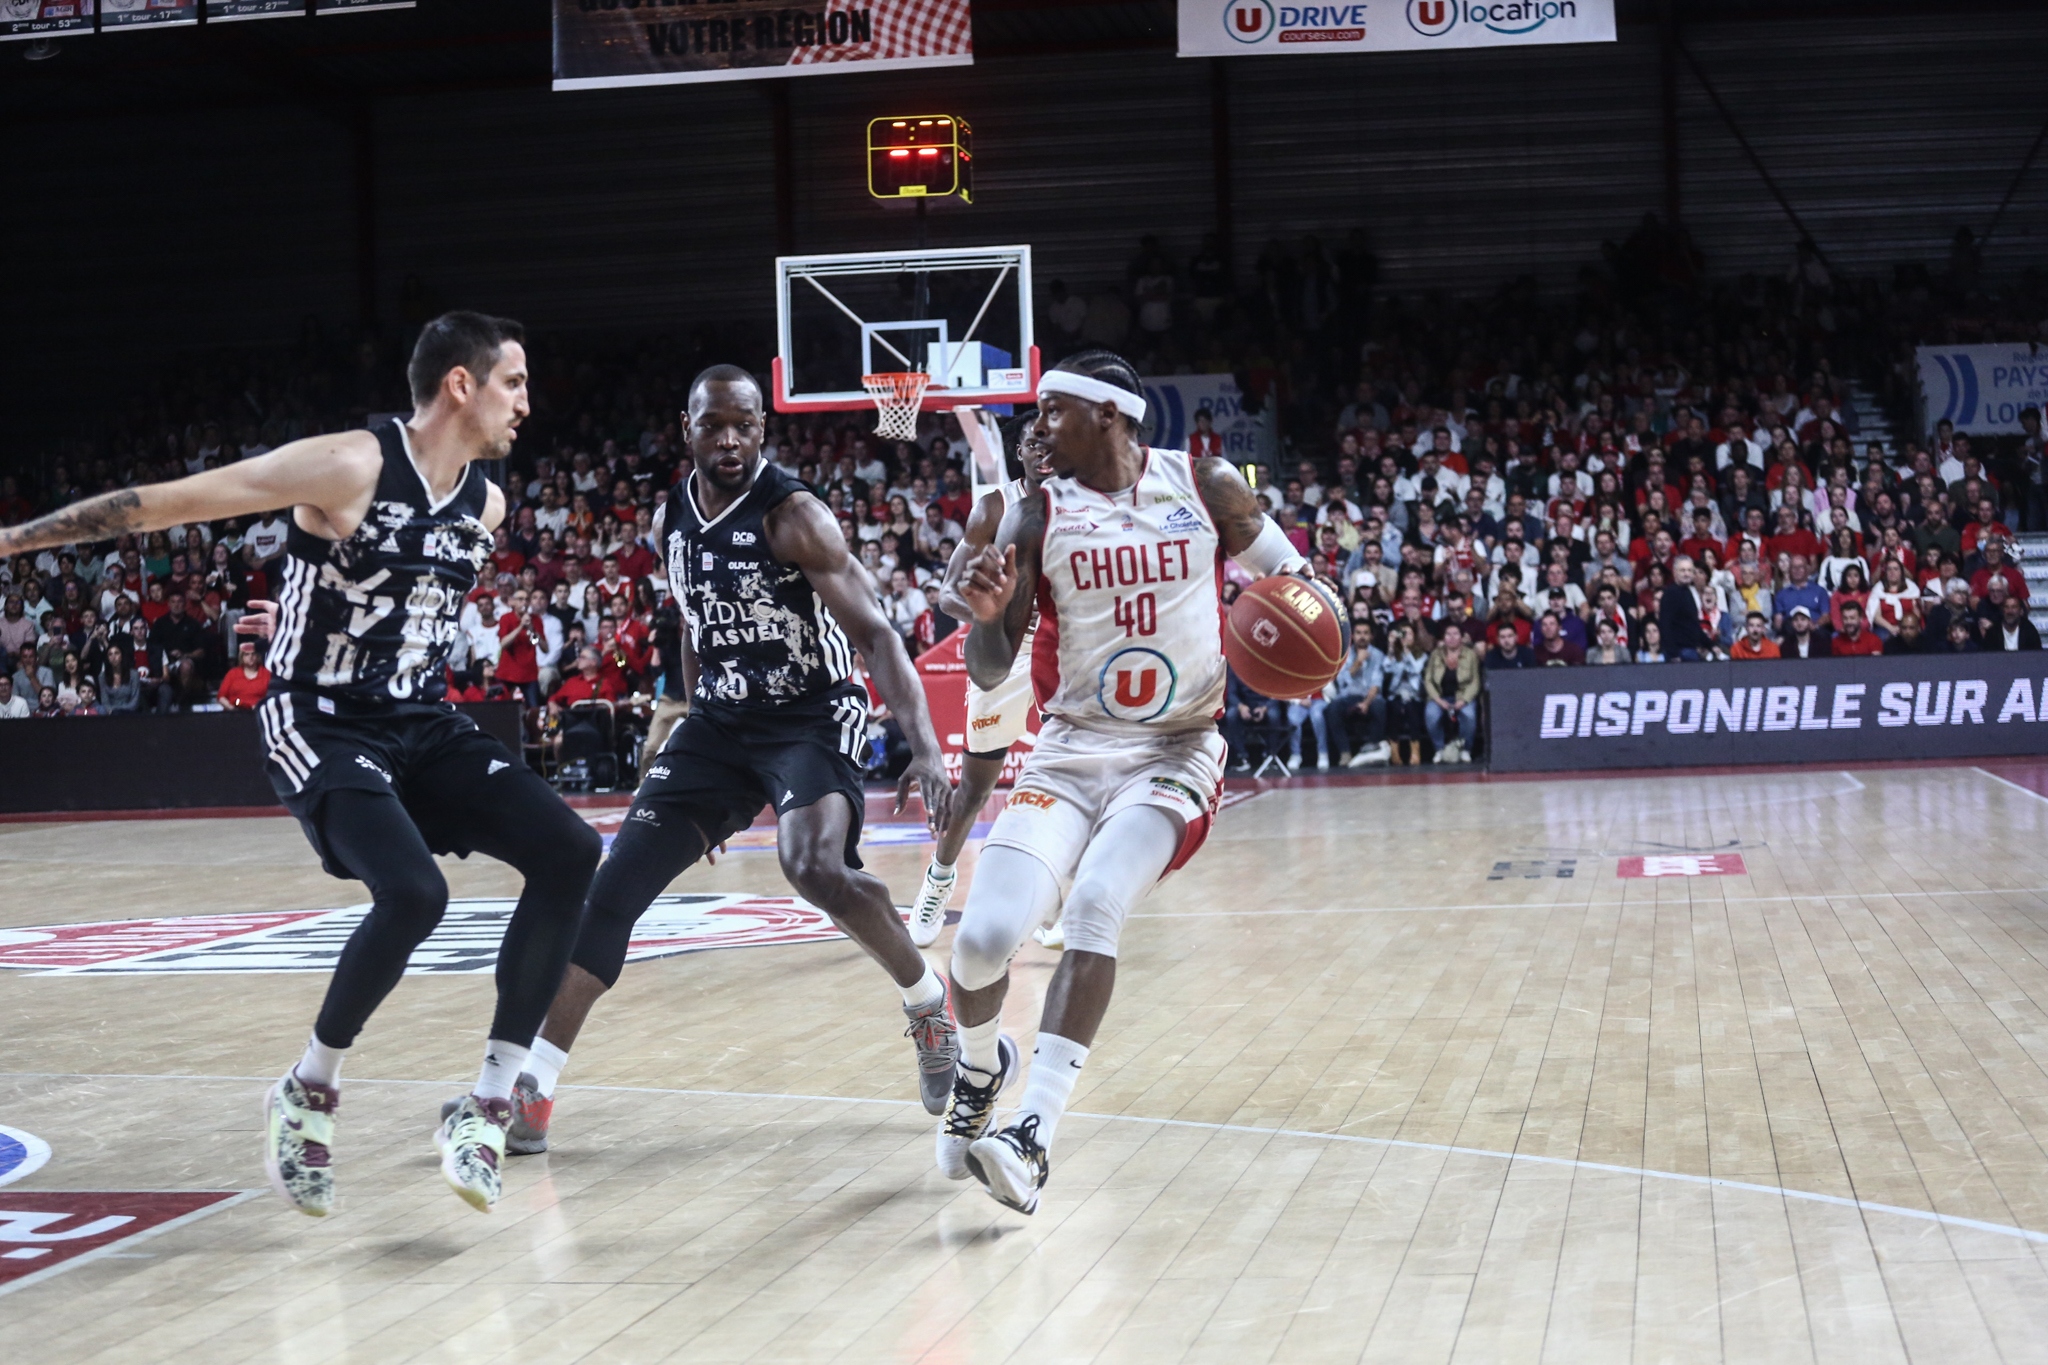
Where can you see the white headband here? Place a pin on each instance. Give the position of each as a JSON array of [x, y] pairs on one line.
[[1094, 390]]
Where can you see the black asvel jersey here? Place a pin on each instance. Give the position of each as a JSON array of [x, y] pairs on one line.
[[370, 620], [762, 636]]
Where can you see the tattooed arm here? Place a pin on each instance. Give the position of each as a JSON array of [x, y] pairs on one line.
[[1232, 504], [333, 475]]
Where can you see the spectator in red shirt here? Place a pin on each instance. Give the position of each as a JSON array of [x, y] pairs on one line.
[[520, 637], [1997, 566], [1203, 440], [1852, 638], [247, 683], [504, 554], [1791, 538], [621, 660], [1983, 527], [590, 682], [1702, 539]]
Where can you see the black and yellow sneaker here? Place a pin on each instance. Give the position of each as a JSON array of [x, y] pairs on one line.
[[971, 1107], [1011, 1165]]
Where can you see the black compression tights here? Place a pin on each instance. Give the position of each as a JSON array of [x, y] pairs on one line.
[[644, 860], [528, 827]]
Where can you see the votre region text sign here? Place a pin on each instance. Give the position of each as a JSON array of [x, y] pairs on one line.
[[1779, 711]]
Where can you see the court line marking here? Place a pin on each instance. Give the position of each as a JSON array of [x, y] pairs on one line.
[[119, 1247], [1588, 905], [1254, 1130], [2008, 782]]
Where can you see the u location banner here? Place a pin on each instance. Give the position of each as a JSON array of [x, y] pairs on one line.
[[1236, 28], [600, 44], [1777, 711], [1982, 388]]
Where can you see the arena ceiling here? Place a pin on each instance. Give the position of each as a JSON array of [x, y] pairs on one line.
[[451, 46]]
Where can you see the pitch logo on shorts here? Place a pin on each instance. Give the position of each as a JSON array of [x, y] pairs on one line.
[[1137, 684], [465, 942]]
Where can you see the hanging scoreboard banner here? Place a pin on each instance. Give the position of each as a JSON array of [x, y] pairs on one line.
[[229, 11], [1239, 28], [122, 15], [601, 44], [44, 18]]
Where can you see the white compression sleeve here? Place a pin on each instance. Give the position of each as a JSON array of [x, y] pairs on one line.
[[1013, 893], [1271, 553]]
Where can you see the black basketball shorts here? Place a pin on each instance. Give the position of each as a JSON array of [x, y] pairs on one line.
[[724, 763], [429, 755]]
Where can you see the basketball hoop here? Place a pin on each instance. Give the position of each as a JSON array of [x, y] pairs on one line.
[[898, 397]]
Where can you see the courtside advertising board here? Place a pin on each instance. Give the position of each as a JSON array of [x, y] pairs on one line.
[[1243, 28]]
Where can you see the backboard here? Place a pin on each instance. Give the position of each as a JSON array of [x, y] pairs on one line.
[[960, 314]]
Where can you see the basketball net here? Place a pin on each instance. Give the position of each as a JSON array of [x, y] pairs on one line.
[[898, 398]]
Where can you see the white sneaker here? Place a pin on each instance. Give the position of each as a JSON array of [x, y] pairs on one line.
[[1011, 1165], [1052, 935], [1365, 757], [472, 1145], [928, 913], [1294, 763], [1322, 763]]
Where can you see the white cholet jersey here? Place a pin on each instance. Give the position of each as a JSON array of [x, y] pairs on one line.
[[1130, 622]]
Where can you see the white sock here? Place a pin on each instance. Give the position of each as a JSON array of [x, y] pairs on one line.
[[544, 1063], [978, 1047], [1055, 1066], [502, 1064], [926, 990], [321, 1065], [940, 872]]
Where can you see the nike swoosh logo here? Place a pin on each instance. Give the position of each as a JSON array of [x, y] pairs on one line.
[[294, 1125]]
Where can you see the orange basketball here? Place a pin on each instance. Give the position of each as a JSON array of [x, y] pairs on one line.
[[1284, 637]]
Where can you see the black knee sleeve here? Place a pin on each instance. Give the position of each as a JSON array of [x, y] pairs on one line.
[[644, 861]]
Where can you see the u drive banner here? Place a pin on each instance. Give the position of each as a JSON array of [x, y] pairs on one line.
[[1982, 388], [1768, 711], [602, 44], [1237, 28]]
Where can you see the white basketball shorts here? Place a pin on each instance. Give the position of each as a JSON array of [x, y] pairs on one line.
[[1075, 779], [996, 720]]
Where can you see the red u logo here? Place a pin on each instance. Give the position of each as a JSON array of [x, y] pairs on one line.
[[1248, 18], [1431, 12], [1136, 689]]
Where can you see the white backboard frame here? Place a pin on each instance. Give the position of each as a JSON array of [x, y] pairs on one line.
[[1013, 264]]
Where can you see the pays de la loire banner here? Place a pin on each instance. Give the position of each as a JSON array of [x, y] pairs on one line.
[[1236, 28], [1172, 401], [1982, 388], [601, 44]]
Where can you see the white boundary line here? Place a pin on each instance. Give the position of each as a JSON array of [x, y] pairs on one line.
[[240, 1197], [2007, 782], [1251, 1130], [1587, 905]]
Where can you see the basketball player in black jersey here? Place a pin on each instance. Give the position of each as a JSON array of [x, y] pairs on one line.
[[773, 609], [389, 530]]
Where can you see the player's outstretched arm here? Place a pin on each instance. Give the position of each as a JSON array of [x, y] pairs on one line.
[[998, 586], [336, 474], [980, 532], [803, 532]]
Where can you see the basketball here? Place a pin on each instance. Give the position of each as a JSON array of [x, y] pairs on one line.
[[1284, 638]]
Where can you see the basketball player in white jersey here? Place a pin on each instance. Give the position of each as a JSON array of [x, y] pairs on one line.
[[995, 720], [1121, 557]]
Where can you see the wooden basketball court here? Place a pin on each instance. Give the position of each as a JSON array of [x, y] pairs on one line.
[[1397, 1072]]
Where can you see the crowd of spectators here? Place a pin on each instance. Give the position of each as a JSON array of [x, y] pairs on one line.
[[1659, 469]]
